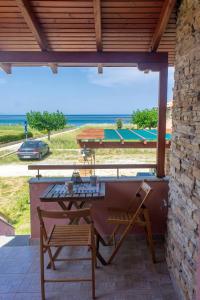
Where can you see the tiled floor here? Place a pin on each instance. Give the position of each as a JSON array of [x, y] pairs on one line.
[[132, 276]]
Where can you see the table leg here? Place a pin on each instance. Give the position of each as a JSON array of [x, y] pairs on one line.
[[99, 256], [100, 238], [62, 205]]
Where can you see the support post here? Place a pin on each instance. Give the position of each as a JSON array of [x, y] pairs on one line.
[[162, 104]]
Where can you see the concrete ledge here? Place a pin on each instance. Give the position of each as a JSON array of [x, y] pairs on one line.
[[104, 179]]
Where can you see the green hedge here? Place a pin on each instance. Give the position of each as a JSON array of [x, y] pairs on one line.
[[6, 138]]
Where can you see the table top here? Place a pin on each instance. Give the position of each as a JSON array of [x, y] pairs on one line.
[[59, 192]]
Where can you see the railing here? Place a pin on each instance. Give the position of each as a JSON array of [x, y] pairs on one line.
[[91, 167]]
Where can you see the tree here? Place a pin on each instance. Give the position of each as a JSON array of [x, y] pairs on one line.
[[147, 118], [119, 123], [46, 121]]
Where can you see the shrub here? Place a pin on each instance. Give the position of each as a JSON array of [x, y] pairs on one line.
[[6, 138], [119, 123]]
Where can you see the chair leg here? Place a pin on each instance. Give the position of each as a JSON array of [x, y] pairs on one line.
[[112, 239], [58, 250], [94, 263], [42, 271], [118, 245], [51, 259], [149, 234]]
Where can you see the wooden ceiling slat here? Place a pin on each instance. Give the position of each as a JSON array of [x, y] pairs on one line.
[[67, 21], [9, 9], [82, 42], [75, 26], [127, 26], [12, 20], [14, 30], [74, 48], [126, 35], [16, 39], [62, 15], [62, 3], [141, 9], [70, 38], [131, 4], [129, 21], [70, 35], [21, 42], [125, 38], [69, 30], [130, 15], [86, 10], [10, 15], [7, 3], [13, 25], [15, 35]]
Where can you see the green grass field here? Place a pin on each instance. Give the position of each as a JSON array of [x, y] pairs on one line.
[[14, 202]]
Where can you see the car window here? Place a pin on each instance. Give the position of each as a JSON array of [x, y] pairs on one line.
[[30, 144]]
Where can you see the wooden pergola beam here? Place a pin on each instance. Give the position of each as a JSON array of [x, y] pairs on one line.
[[97, 23], [32, 23], [147, 60], [106, 145], [162, 107], [100, 69], [162, 23], [54, 68], [6, 67]]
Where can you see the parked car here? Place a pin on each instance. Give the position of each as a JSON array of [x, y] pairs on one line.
[[33, 150]]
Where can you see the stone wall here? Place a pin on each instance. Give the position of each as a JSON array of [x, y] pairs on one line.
[[184, 199]]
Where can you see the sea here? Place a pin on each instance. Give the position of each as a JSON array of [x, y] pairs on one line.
[[75, 120]]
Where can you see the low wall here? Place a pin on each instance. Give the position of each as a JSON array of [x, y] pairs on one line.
[[6, 228], [118, 194]]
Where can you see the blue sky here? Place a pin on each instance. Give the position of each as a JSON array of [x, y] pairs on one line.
[[79, 90]]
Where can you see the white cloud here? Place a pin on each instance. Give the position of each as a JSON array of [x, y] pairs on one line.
[[116, 76]]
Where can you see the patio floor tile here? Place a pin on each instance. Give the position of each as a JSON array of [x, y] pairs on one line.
[[132, 275]]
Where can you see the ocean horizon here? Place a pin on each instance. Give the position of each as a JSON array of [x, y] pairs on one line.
[[76, 120]]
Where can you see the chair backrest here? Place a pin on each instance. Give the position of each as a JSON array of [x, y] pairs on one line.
[[66, 214], [141, 195]]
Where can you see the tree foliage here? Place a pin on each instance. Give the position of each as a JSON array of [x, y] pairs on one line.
[[147, 118], [119, 123], [46, 121]]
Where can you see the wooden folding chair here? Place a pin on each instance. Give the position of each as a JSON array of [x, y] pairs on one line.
[[66, 235], [137, 213]]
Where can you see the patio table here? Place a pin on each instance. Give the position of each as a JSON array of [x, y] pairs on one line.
[[81, 196]]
